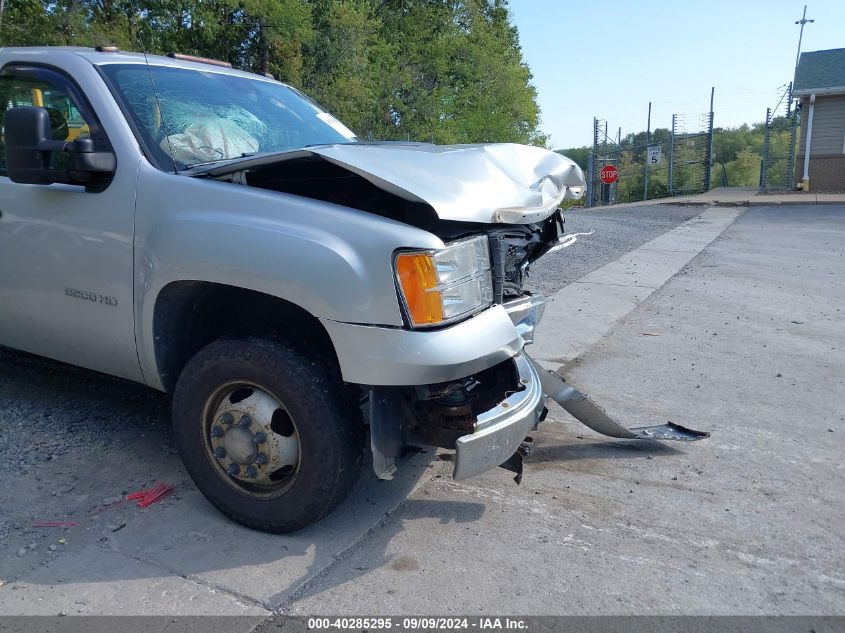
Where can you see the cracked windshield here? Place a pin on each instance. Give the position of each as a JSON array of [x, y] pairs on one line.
[[193, 117]]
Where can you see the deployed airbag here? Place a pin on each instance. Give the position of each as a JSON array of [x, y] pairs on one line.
[[210, 139]]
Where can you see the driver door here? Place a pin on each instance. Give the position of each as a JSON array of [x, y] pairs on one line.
[[66, 287]]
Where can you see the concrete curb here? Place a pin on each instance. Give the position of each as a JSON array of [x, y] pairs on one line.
[[762, 202], [739, 198], [757, 201]]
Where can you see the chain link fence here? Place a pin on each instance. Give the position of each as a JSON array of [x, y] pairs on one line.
[[668, 162], [780, 137]]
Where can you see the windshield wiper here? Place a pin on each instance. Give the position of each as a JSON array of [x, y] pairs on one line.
[[221, 160]]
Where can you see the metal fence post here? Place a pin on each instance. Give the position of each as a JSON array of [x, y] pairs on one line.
[[671, 153], [790, 174], [590, 170], [708, 165], [647, 143], [764, 163]]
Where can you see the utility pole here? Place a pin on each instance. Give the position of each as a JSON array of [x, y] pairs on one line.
[[802, 22], [647, 144]]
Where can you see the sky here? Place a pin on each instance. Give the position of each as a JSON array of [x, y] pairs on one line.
[[609, 59]]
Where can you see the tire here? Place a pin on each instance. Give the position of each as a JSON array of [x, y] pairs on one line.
[[311, 398]]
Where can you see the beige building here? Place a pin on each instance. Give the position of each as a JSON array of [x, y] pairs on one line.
[[820, 85]]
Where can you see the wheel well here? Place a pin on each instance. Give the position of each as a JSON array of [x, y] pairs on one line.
[[191, 314]]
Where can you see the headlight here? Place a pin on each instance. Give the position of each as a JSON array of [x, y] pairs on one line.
[[442, 286]]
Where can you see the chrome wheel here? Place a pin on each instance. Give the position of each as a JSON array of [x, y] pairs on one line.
[[251, 439]]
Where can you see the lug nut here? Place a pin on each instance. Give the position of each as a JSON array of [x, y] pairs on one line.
[[216, 431], [250, 471], [260, 438], [227, 419], [245, 420], [233, 469], [220, 452], [261, 459]]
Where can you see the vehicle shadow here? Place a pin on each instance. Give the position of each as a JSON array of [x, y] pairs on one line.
[[602, 449], [78, 441]]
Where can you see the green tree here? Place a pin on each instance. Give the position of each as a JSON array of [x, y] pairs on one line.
[[449, 71], [578, 154], [346, 64], [744, 170], [494, 99], [25, 22], [459, 75]]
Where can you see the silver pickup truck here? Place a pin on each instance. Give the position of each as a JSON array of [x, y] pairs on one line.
[[218, 235]]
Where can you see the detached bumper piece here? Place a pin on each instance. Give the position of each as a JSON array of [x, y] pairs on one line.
[[583, 409], [499, 433]]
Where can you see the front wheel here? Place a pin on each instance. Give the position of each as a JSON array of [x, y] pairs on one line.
[[268, 436]]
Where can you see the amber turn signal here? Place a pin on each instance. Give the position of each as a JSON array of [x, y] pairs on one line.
[[418, 278]]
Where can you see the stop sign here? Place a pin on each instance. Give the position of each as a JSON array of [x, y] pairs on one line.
[[609, 174]]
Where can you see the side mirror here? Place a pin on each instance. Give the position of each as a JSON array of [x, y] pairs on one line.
[[29, 146], [91, 168]]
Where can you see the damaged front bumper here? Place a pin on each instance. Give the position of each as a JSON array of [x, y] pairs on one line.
[[500, 431], [467, 388]]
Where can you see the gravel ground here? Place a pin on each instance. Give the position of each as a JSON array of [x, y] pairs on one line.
[[69, 438], [617, 231], [66, 410]]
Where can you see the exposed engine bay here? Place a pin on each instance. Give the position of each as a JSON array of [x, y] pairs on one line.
[[446, 411], [513, 247]]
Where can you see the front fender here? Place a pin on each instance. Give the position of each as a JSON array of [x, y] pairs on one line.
[[334, 262]]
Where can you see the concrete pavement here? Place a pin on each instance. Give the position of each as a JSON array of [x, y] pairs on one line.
[[598, 526]]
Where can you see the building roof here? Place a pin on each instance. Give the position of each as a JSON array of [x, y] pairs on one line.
[[820, 72]]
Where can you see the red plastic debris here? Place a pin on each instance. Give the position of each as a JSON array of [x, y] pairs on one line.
[[54, 523], [150, 496]]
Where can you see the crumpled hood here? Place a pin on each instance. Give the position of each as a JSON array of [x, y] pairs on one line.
[[489, 183]]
